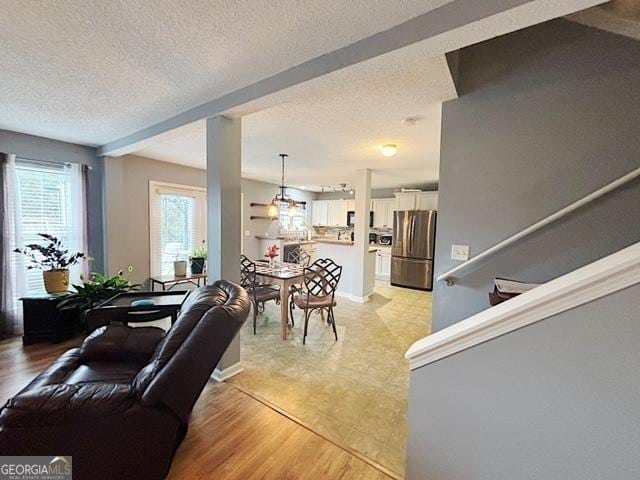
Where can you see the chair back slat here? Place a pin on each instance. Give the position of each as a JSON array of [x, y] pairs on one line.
[[247, 273], [322, 277]]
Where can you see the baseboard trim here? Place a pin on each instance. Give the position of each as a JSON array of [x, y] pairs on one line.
[[361, 299], [222, 375], [353, 298]]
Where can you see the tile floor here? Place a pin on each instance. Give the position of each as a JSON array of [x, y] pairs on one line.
[[354, 390]]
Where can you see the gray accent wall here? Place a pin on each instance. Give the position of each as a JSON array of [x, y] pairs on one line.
[[556, 400], [46, 149], [127, 199], [546, 115]]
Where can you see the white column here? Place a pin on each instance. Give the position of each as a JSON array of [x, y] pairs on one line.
[[223, 217], [361, 234]]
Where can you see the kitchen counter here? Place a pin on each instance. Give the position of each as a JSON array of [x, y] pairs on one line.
[[286, 241], [348, 243], [333, 241]]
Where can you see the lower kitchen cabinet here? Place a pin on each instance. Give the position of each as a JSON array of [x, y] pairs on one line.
[[383, 264]]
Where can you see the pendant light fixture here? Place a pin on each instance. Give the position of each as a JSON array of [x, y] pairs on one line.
[[281, 198]]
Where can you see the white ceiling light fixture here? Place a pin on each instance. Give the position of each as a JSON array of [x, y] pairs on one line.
[[389, 150]]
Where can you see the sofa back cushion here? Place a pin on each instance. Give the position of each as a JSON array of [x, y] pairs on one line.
[[186, 357]]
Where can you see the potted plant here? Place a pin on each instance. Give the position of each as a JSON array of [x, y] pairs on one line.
[[198, 258], [53, 259], [98, 289]]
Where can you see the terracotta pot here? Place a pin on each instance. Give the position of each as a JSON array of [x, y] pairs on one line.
[[56, 281]]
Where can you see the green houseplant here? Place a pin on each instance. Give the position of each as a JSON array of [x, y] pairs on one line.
[[199, 258], [53, 259], [98, 289]]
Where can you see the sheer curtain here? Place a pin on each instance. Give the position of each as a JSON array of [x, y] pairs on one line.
[[12, 271], [79, 238]]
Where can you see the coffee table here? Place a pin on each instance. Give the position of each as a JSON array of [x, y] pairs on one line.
[[119, 309]]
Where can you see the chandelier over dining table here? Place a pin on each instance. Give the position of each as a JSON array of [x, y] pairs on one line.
[[281, 198]]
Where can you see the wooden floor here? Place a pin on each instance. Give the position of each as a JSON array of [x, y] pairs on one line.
[[231, 435]]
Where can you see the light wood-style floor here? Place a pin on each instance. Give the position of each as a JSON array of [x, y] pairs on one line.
[[231, 435]]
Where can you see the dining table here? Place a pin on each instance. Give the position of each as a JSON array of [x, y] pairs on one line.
[[284, 275]]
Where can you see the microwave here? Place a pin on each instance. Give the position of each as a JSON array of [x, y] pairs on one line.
[[351, 216]]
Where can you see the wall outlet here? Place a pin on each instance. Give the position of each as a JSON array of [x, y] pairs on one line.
[[460, 252], [247, 233]]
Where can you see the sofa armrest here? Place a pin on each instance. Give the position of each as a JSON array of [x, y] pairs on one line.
[[119, 343], [65, 404]]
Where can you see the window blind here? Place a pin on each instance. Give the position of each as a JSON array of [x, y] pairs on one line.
[[177, 221], [43, 200]]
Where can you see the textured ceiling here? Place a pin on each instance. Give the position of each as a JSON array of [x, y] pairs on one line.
[[92, 71], [336, 124]]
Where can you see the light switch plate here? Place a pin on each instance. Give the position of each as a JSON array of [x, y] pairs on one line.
[[247, 233], [460, 252]]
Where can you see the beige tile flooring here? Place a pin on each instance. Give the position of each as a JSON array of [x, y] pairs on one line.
[[354, 390]]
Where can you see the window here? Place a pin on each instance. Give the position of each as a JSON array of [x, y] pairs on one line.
[[292, 223], [44, 196], [178, 224]]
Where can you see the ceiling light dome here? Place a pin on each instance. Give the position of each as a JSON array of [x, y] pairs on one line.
[[389, 150]]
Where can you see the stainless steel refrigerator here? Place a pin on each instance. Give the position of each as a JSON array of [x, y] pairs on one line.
[[414, 234]]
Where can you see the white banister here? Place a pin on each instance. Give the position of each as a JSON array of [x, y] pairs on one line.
[[598, 279], [450, 275]]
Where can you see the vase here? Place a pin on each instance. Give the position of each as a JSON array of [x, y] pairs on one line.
[[272, 262], [180, 268], [56, 281]]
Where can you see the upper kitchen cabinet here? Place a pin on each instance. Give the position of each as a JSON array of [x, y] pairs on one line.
[[383, 209], [427, 201], [417, 200], [320, 213], [351, 205], [337, 213], [329, 213], [405, 201]]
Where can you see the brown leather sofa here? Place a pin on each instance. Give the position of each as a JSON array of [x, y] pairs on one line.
[[120, 403]]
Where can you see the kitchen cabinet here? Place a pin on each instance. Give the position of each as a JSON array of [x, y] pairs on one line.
[[383, 264], [427, 201], [406, 201], [329, 213], [337, 213], [351, 205], [417, 200], [383, 209], [320, 212]]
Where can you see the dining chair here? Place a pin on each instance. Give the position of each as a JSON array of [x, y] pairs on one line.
[[259, 293], [299, 256], [318, 293]]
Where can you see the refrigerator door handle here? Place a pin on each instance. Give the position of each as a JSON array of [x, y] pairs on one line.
[[411, 233]]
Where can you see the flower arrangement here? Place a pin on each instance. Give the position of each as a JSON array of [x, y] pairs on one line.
[[272, 252]]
